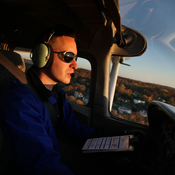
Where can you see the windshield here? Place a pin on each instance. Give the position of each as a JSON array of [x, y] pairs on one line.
[[155, 20], [150, 76]]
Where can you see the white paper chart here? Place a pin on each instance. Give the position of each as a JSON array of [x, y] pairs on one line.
[[115, 143]]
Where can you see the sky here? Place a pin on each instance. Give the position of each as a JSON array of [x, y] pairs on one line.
[[155, 20]]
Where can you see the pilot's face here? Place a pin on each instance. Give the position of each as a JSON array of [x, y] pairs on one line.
[[59, 70]]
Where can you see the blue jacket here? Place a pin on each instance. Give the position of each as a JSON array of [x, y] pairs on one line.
[[30, 134]]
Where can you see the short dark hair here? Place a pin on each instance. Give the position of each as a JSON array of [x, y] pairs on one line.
[[59, 30]]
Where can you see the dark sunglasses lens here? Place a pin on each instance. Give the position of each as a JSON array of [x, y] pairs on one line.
[[68, 57]]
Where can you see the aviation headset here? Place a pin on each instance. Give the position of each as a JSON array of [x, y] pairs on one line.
[[42, 53]]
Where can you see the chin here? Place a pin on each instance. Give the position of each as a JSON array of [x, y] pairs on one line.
[[66, 82]]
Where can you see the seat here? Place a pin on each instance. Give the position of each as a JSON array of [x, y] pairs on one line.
[[6, 78]]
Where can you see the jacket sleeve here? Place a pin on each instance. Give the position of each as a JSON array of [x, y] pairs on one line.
[[29, 132], [71, 123]]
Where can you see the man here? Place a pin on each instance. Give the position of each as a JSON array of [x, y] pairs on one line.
[[25, 119]]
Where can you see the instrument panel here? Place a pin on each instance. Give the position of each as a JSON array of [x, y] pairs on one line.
[[162, 125]]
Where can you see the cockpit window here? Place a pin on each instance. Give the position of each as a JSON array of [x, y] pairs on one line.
[[78, 89], [25, 53], [150, 76]]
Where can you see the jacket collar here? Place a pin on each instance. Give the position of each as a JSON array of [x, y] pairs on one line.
[[41, 90]]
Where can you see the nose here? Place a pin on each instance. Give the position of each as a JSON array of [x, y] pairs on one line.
[[74, 64]]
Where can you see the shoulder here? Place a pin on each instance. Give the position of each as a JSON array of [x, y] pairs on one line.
[[19, 102], [17, 91]]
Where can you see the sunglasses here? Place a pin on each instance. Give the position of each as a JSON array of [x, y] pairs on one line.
[[67, 56]]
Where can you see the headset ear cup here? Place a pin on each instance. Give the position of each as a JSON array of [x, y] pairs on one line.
[[41, 55], [50, 56]]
